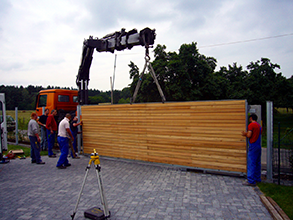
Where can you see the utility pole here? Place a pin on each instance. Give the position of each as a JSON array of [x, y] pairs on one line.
[[112, 82]]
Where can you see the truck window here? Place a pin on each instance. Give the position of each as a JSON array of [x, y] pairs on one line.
[[42, 101], [75, 98], [63, 98]]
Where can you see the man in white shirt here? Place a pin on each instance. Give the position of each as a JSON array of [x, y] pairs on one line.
[[64, 136]]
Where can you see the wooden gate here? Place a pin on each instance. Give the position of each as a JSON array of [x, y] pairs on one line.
[[203, 134]]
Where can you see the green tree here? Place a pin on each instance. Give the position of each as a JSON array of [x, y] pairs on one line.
[[185, 76], [123, 101], [235, 82], [125, 93], [261, 81], [284, 94]]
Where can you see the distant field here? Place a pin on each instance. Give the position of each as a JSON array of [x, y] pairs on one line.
[[22, 114], [284, 110]]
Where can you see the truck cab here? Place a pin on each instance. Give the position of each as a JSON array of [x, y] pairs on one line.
[[63, 100]]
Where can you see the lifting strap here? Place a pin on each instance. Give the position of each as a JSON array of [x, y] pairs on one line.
[[152, 72]]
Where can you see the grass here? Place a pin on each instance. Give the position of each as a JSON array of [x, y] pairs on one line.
[[286, 124], [282, 195], [22, 114], [24, 117], [23, 120], [285, 120], [26, 150]]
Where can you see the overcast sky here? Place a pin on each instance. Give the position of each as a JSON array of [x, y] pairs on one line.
[[41, 41]]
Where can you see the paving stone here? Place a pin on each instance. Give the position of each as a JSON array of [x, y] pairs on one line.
[[134, 190]]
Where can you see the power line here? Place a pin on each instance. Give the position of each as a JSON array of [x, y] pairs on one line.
[[245, 41], [223, 44]]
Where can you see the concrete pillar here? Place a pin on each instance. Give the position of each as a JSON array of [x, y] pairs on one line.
[[270, 125]]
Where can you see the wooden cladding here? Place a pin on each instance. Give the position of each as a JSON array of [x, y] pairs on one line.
[[205, 134]]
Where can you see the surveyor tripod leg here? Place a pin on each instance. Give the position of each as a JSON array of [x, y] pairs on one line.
[[82, 186], [101, 188]]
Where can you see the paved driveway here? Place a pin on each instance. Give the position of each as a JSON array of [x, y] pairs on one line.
[[134, 191]]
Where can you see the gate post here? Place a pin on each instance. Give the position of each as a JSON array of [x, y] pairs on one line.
[[16, 125], [79, 129], [269, 140]]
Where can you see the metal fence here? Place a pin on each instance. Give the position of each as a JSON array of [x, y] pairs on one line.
[[283, 156]]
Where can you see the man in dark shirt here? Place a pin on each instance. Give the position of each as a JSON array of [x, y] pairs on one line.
[[51, 126], [74, 132], [42, 122]]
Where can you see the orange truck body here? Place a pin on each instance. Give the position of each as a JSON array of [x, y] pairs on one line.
[[63, 100]]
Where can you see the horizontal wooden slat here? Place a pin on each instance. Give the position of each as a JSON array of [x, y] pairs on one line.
[[199, 134]]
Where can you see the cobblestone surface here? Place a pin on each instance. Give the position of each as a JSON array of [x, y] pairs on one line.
[[133, 190]]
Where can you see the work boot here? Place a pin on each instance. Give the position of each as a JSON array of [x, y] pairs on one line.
[[246, 183]]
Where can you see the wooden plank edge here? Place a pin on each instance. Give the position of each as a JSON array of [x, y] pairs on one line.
[[274, 213], [20, 151], [278, 208]]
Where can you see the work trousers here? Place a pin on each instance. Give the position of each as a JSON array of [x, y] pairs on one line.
[[254, 162], [35, 149], [64, 148], [74, 134], [51, 141], [44, 143]]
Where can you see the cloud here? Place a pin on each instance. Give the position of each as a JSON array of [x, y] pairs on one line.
[[10, 66], [41, 41]]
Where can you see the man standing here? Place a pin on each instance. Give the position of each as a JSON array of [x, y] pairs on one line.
[[42, 122], [64, 136], [254, 152], [51, 126], [74, 131], [33, 133]]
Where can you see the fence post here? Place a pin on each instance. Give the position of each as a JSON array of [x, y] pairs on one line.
[[279, 155], [79, 129], [269, 140], [16, 125]]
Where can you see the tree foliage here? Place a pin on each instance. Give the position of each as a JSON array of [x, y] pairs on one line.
[[190, 76], [24, 98], [185, 76]]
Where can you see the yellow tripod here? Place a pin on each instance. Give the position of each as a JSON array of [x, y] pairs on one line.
[[94, 213]]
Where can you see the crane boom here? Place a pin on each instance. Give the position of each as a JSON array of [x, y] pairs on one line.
[[116, 41]]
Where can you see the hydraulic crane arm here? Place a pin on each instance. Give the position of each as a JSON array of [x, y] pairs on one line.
[[111, 42]]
